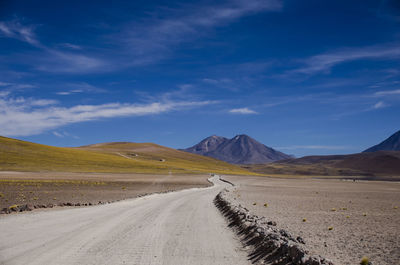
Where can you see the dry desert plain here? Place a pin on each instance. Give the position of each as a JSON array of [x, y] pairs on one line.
[[341, 220], [55, 188]]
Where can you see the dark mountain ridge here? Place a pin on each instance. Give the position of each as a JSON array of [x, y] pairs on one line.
[[380, 162], [390, 144], [241, 149]]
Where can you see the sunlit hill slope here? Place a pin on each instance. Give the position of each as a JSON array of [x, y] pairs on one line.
[[17, 155]]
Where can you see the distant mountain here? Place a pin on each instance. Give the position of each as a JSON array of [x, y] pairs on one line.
[[390, 144], [207, 145], [241, 149]]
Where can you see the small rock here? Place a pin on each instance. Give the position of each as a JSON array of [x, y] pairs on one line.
[[5, 210], [300, 240]]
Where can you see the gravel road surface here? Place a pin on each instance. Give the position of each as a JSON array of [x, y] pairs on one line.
[[181, 227]]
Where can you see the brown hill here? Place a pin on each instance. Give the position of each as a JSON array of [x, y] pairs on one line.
[[371, 165]]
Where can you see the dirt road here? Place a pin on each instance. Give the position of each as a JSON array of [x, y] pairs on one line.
[[181, 227]]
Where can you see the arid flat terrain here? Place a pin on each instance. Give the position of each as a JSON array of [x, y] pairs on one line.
[[182, 227], [340, 220], [55, 188]]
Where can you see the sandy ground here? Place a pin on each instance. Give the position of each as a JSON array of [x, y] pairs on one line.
[[181, 227], [364, 217], [105, 176], [19, 188]]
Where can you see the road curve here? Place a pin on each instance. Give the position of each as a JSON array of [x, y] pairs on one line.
[[179, 228]]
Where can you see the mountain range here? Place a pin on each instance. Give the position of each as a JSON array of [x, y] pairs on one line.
[[241, 149], [381, 161]]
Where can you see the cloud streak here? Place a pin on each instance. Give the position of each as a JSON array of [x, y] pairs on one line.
[[48, 59], [152, 40], [22, 117], [83, 87], [138, 43], [326, 61], [14, 29], [380, 105], [68, 62], [388, 92], [245, 111]]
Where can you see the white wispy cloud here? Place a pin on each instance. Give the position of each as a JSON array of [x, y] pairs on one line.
[[63, 134], [42, 102], [68, 62], [2, 84], [71, 46], [211, 16], [70, 92], [380, 105], [29, 102], [388, 92], [21, 117], [242, 111], [14, 29], [153, 39], [58, 134], [185, 87], [64, 93], [218, 82], [324, 62], [80, 87], [49, 59], [139, 42], [4, 93], [16, 86], [225, 83]]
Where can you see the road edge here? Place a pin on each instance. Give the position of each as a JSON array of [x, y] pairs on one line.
[[266, 243]]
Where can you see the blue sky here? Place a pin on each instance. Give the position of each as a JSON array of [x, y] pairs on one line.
[[305, 77]]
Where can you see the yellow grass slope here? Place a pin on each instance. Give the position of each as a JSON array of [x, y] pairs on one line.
[[160, 155], [17, 155]]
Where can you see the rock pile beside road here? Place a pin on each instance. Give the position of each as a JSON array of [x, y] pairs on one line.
[[28, 207], [267, 243]]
